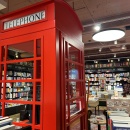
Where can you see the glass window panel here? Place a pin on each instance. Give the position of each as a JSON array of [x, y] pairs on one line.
[[2, 53], [66, 70], [75, 125], [74, 89], [19, 91], [67, 112], [37, 114], [38, 69], [38, 47], [38, 91], [75, 107], [66, 49], [20, 70], [74, 54], [67, 91], [74, 71], [19, 112], [21, 50]]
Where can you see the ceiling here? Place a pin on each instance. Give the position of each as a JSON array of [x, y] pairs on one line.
[[107, 13]]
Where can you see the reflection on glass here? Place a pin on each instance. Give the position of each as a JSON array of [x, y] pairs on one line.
[[66, 70], [67, 93], [67, 112], [38, 47], [21, 112], [73, 71], [38, 92], [74, 89], [75, 107], [38, 69], [2, 53], [74, 54], [18, 91], [21, 50], [75, 125]]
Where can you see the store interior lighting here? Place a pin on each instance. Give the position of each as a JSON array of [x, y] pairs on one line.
[[97, 27], [115, 42], [114, 55], [100, 49], [108, 35], [123, 47]]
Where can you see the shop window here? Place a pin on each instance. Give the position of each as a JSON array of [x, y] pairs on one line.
[[38, 69], [38, 47], [75, 125], [38, 92], [20, 50], [74, 54]]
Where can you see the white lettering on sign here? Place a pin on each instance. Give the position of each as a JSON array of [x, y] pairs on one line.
[[24, 20]]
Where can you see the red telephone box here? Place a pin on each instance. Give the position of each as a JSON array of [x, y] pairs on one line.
[[42, 67]]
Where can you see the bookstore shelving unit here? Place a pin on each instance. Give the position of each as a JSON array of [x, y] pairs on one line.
[[114, 74], [41, 52]]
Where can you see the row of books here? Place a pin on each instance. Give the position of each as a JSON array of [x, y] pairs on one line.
[[118, 120], [124, 74], [6, 123], [108, 65]]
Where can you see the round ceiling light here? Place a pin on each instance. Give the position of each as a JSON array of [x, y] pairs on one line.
[[108, 35]]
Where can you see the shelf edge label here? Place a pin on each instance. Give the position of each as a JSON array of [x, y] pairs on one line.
[[24, 20]]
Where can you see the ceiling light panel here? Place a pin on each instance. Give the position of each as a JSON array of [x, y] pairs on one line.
[[108, 35]]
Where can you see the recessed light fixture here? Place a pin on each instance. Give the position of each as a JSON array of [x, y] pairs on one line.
[[100, 49], [97, 27], [108, 35], [115, 42], [114, 55], [123, 47], [128, 59]]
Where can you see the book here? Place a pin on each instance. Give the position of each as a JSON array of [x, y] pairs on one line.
[[8, 127], [121, 126], [6, 122]]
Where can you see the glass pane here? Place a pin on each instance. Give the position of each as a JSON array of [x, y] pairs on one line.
[[67, 91], [19, 91], [38, 69], [38, 91], [66, 49], [74, 54], [2, 54], [67, 112], [74, 89], [20, 50], [20, 70], [74, 71], [66, 70], [38, 47], [19, 112], [75, 125], [75, 107], [37, 114]]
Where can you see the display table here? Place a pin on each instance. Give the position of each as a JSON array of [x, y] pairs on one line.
[[93, 102], [98, 121]]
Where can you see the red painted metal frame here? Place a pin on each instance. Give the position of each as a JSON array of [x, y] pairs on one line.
[[55, 34]]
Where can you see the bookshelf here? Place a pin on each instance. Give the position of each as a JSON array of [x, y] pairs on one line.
[[17, 90], [113, 75]]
